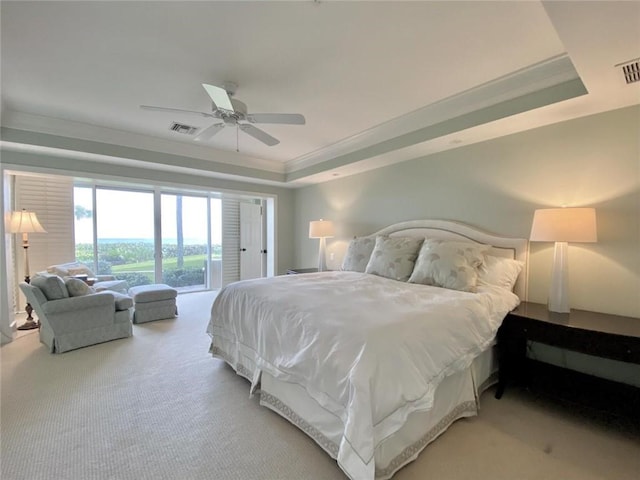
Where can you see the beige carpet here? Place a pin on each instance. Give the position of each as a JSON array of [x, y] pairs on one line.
[[157, 406]]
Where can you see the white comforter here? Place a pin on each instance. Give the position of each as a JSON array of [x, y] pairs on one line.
[[369, 349]]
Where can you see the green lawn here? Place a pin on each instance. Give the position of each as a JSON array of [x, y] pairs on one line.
[[190, 261]]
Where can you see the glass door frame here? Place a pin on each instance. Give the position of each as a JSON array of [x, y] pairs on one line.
[[157, 221], [158, 240]]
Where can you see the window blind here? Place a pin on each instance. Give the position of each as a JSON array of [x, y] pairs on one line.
[[230, 209], [51, 198]]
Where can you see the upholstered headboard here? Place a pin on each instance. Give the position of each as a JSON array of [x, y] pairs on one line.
[[515, 248]]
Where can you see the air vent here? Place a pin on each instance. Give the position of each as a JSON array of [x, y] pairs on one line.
[[631, 71], [182, 128]]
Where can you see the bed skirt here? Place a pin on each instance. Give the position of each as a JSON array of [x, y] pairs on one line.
[[456, 397]]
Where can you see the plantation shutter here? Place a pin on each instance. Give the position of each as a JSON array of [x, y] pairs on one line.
[[230, 239], [51, 198]]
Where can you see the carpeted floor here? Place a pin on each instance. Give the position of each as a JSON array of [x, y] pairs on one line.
[[157, 406]]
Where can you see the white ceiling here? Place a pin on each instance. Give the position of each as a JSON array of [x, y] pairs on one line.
[[365, 74]]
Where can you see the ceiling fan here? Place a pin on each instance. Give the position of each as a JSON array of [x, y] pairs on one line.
[[233, 113]]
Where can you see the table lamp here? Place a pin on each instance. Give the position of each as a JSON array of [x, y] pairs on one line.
[[321, 229], [562, 225]]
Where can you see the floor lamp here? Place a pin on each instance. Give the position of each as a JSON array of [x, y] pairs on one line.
[[25, 223], [562, 225], [321, 229]]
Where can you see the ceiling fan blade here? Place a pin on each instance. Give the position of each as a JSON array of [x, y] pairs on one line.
[[174, 110], [258, 134], [284, 118], [209, 132], [219, 97]]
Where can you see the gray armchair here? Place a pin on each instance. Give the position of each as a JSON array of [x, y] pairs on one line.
[[70, 322]]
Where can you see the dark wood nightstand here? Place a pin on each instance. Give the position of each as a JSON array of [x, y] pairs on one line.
[[598, 334], [294, 271]]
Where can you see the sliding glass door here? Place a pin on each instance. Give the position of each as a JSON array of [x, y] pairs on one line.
[[114, 233], [185, 240], [151, 236], [214, 267]]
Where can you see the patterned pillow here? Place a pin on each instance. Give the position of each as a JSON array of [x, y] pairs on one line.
[[52, 286], [394, 257], [77, 287], [449, 265], [473, 252], [358, 254]]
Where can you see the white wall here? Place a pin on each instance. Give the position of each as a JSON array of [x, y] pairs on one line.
[[6, 304], [496, 185]]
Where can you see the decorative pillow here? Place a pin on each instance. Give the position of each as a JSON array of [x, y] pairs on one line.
[[80, 271], [77, 287], [52, 286], [473, 252], [499, 271], [358, 254], [394, 257], [58, 270], [447, 265], [70, 269]]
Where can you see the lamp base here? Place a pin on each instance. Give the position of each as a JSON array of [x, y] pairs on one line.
[[29, 325], [559, 291], [322, 262]]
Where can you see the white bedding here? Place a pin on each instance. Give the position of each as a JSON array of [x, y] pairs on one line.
[[370, 350]]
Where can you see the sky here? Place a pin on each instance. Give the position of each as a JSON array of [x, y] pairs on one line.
[[123, 214]]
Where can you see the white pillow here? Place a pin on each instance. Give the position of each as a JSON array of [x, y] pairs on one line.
[[358, 254], [499, 271], [70, 269], [394, 257], [81, 270], [448, 264]]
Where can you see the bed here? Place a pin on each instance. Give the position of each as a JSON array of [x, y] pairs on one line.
[[374, 365]]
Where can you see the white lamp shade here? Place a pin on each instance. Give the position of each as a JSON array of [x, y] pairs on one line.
[[321, 229], [24, 222], [564, 225]]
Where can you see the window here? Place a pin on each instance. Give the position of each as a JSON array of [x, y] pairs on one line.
[[116, 232]]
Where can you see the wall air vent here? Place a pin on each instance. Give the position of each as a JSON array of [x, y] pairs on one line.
[[631, 71], [182, 128]]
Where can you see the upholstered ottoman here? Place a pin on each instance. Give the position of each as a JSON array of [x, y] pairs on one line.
[[153, 302]]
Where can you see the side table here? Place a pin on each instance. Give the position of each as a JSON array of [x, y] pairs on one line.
[[599, 334]]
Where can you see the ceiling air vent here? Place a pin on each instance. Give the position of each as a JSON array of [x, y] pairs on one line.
[[182, 128], [631, 71]]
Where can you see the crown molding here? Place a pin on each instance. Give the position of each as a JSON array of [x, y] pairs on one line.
[[548, 73], [17, 120]]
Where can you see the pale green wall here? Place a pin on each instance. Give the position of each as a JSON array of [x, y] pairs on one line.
[[496, 185]]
